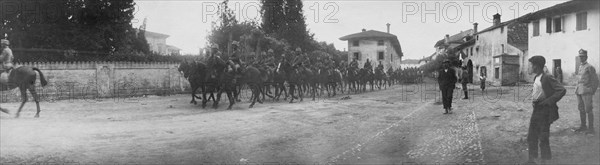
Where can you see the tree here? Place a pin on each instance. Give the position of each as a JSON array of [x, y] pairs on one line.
[[87, 25], [273, 18], [284, 19]]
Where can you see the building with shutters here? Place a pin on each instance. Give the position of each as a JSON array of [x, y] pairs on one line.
[[560, 31], [376, 46]]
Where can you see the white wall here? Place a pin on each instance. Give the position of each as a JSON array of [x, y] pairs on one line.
[[369, 50], [565, 45]]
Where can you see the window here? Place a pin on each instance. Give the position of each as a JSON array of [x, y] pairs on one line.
[[380, 43], [557, 24], [581, 21], [355, 43], [356, 55], [502, 47], [536, 28], [380, 55], [548, 25], [497, 73], [391, 57], [471, 51]]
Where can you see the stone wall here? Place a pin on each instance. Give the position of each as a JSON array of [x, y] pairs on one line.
[[93, 80]]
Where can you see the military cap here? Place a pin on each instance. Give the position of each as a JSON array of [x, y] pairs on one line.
[[446, 61], [582, 52]]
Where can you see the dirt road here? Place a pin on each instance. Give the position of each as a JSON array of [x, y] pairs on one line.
[[398, 125]]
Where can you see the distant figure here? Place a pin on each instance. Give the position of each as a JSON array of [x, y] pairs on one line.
[[558, 74], [545, 94], [354, 64], [587, 84], [464, 80], [368, 65], [482, 80], [447, 80]]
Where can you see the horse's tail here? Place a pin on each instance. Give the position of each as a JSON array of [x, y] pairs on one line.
[[42, 79]]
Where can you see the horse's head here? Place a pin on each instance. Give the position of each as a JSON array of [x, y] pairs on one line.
[[184, 69]]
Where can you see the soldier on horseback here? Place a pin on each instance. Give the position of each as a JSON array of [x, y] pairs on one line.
[[354, 64], [368, 65], [6, 58], [380, 66], [234, 57]]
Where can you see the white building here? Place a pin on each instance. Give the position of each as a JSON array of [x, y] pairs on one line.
[[376, 46], [499, 51], [558, 32]]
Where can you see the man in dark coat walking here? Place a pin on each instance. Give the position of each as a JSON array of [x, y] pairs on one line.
[[546, 93], [447, 80]]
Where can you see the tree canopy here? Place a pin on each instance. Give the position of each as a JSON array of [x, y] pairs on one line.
[[102, 26]]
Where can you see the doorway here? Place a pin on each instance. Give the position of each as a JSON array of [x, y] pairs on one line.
[[557, 70]]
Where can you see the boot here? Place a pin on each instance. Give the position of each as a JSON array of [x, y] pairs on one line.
[[466, 95], [582, 128], [591, 123]]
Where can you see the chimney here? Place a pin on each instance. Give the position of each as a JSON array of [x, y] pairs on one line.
[[475, 27], [447, 39], [388, 27], [496, 19], [364, 30]]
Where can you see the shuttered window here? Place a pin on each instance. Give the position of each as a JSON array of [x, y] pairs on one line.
[[548, 25], [536, 28], [581, 21]]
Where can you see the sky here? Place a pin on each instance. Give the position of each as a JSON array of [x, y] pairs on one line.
[[418, 24]]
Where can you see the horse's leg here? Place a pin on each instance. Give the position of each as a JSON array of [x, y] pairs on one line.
[[261, 91], [23, 100], [204, 98], [230, 96], [292, 88], [194, 88], [216, 102], [36, 98], [254, 95]]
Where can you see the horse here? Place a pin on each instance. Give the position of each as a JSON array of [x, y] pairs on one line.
[[353, 78], [335, 79], [380, 78], [195, 73], [308, 81], [24, 78], [213, 81], [293, 79], [279, 78], [255, 80]]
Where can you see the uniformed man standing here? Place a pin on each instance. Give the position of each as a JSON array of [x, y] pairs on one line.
[[586, 88]]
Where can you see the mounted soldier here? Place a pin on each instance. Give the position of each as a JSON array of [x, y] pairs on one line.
[[368, 65], [6, 58], [380, 66], [234, 58], [22, 77], [354, 64]]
